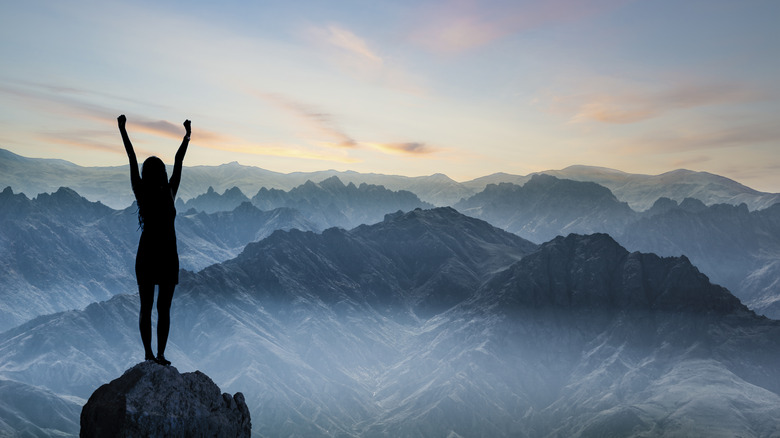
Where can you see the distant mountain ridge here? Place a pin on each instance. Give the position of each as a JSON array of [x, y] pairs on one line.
[[110, 185]]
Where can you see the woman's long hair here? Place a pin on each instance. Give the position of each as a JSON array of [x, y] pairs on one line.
[[155, 191]]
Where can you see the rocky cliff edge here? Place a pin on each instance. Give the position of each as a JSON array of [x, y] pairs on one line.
[[150, 400]]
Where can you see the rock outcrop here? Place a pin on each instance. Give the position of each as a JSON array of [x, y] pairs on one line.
[[150, 400]]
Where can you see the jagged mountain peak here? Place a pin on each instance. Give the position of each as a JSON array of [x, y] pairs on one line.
[[594, 271], [332, 183], [66, 201]]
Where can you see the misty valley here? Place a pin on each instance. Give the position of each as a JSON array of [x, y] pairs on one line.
[[572, 303]]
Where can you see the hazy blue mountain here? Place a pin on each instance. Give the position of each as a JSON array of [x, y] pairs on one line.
[[546, 206], [437, 189], [361, 333], [330, 203], [212, 202], [31, 176], [110, 185], [641, 191], [60, 251]]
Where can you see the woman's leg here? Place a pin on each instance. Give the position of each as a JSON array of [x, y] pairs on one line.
[[164, 299], [146, 292]]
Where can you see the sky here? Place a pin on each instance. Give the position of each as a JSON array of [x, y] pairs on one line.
[[464, 88]]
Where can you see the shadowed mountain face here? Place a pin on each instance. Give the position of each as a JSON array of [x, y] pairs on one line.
[[733, 246], [594, 272], [359, 333]]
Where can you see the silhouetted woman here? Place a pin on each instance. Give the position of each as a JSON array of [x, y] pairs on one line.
[[157, 260]]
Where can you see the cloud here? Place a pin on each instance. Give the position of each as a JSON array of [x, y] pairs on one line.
[[704, 138], [318, 121], [332, 136], [352, 44], [627, 104], [409, 148], [461, 25], [164, 128], [89, 141], [281, 150], [355, 56]]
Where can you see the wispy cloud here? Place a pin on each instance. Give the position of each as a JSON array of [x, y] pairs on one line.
[[703, 138], [281, 150], [409, 148], [313, 119], [626, 104], [164, 128], [460, 25], [351, 44], [332, 136], [357, 57], [85, 141]]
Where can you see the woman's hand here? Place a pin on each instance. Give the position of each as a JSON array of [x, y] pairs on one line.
[[187, 127], [121, 120]]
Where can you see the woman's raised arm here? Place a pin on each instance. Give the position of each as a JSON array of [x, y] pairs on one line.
[[179, 160], [135, 176]]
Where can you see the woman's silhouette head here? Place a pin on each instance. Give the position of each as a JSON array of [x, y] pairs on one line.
[[155, 200], [153, 173]]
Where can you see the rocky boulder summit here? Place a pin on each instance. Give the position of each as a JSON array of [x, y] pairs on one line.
[[151, 400]]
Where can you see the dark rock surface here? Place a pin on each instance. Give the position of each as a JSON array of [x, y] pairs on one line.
[[150, 400]]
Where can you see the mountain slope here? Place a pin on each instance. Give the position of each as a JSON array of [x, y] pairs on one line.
[[26, 410]]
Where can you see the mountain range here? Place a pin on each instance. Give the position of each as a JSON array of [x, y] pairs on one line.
[[433, 323], [734, 246], [328, 203], [109, 185], [61, 251], [581, 302], [54, 241]]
